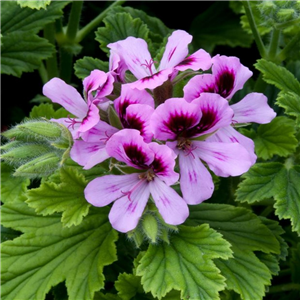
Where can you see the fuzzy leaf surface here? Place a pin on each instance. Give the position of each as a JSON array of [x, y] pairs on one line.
[[290, 102], [185, 264], [48, 253], [280, 181], [46, 110], [66, 197]]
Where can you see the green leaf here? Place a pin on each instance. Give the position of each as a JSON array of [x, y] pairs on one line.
[[128, 285], [244, 272], [280, 181], [223, 29], [38, 4], [23, 53], [11, 187], [46, 110], [119, 27], [185, 264], [84, 66], [14, 18], [290, 102], [67, 197], [8, 234], [278, 76], [275, 138], [48, 253]]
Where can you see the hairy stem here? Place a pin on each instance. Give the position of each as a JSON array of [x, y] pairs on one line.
[[284, 288], [259, 43], [273, 48], [293, 43], [43, 73], [73, 23]]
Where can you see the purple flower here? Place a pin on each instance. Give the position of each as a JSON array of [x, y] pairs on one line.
[[130, 193], [98, 83], [186, 126], [133, 54]]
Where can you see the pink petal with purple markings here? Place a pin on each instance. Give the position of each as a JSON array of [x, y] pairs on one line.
[[230, 75], [164, 163], [253, 108], [216, 113], [131, 96], [88, 154], [135, 54], [224, 159], [67, 96], [174, 117], [171, 206], [72, 124], [200, 60], [195, 181], [152, 81], [126, 211], [91, 119], [103, 190], [101, 132], [197, 85], [230, 135], [176, 49], [138, 117], [117, 67], [127, 145]]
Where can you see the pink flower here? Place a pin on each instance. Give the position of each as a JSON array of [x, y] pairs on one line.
[[133, 54], [86, 112], [131, 192], [186, 126]]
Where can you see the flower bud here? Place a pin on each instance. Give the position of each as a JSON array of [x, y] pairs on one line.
[[150, 227]]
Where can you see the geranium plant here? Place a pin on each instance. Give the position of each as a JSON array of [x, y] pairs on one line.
[[165, 170]]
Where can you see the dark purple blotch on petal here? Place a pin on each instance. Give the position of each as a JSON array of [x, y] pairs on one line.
[[158, 165], [133, 122], [224, 83], [148, 78], [136, 155], [171, 53], [188, 61]]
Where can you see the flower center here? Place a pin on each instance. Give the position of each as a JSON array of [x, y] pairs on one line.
[[186, 146], [72, 122]]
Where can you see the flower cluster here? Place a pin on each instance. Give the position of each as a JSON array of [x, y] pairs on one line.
[[151, 131]]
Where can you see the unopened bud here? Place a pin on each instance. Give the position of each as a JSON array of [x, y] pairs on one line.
[[150, 227], [41, 166]]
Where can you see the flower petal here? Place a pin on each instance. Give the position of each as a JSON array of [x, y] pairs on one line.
[[198, 60], [72, 124], [88, 154], [224, 159], [164, 163], [171, 206], [103, 190], [91, 119], [67, 96], [253, 108], [135, 54], [197, 85], [127, 145], [176, 49], [174, 117], [126, 212], [117, 67], [195, 181], [138, 117]]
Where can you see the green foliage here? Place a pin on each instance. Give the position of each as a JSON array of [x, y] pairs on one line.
[[46, 110], [54, 253], [277, 180], [185, 264], [22, 50], [38, 4], [83, 67]]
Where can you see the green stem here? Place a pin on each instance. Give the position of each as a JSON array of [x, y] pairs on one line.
[[257, 38], [66, 61], [290, 46], [43, 73], [51, 63], [287, 24], [267, 211], [73, 23], [274, 45], [260, 84], [284, 288], [94, 23]]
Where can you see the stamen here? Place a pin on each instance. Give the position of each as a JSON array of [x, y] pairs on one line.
[[187, 147], [72, 122], [105, 139], [148, 65]]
